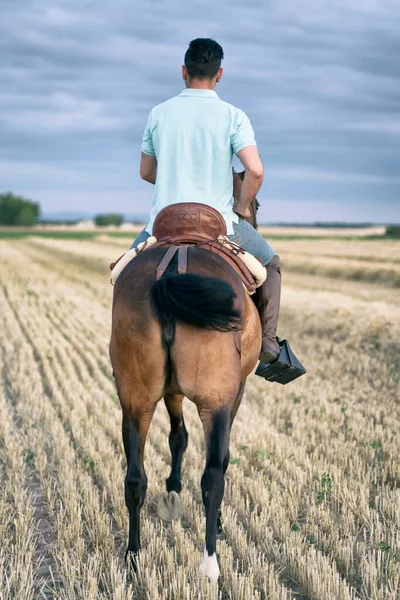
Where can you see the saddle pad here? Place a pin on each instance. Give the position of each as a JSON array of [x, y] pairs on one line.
[[125, 259], [257, 269]]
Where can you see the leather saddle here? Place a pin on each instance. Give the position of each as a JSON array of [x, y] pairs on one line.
[[179, 226], [188, 218]]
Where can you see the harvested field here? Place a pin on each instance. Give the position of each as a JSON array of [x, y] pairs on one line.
[[312, 502], [315, 232]]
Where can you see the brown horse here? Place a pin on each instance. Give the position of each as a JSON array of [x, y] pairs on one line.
[[195, 335]]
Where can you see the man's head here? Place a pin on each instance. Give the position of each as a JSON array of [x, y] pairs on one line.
[[203, 63]]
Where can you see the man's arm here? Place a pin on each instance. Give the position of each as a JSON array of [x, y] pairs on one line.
[[148, 162], [148, 168], [253, 177]]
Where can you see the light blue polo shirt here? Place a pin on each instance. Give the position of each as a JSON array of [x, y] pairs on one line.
[[194, 136]]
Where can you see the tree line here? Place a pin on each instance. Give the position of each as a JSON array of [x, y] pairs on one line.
[[19, 211], [16, 210]]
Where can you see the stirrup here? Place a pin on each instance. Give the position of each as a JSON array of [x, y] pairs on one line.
[[283, 369]]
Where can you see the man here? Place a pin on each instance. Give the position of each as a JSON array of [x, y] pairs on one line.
[[187, 151]]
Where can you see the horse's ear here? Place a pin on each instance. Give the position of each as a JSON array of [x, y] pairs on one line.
[[238, 175], [237, 184]]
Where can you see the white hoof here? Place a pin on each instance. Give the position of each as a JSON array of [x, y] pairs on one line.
[[209, 566], [169, 506]]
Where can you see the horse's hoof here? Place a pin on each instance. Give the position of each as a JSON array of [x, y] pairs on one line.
[[209, 566], [169, 506]]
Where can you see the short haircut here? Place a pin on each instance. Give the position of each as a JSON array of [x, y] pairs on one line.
[[203, 58]]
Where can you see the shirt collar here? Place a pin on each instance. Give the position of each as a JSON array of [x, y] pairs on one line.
[[197, 93]]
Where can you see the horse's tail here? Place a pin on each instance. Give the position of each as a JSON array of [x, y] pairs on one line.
[[206, 302]]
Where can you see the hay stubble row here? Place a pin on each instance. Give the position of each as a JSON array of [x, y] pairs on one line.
[[311, 509]]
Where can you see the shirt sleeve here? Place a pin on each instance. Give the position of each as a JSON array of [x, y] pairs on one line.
[[147, 140], [242, 133]]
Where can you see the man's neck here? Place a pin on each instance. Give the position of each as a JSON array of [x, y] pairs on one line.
[[200, 84]]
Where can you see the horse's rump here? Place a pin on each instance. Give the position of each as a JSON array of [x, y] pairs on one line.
[[183, 309]]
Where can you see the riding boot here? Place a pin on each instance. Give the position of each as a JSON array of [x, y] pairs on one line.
[[267, 300]]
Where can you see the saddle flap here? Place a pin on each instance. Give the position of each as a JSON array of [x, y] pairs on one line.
[[189, 218]]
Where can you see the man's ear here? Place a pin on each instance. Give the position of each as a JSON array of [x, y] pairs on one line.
[[184, 73], [220, 73]]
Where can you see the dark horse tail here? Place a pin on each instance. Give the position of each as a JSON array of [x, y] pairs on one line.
[[206, 302]]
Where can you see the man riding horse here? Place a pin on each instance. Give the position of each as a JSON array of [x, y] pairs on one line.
[[183, 321], [187, 151]]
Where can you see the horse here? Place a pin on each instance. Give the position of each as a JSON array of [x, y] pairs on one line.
[[197, 335]]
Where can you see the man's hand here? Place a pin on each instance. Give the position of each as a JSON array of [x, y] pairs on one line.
[[148, 168], [245, 213]]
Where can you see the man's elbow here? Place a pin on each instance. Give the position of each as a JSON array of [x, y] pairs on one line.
[[145, 175], [256, 172]]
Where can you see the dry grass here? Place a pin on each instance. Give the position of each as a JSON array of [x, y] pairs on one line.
[[333, 232], [312, 503]]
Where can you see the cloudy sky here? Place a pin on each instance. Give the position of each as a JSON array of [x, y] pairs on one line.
[[319, 79]]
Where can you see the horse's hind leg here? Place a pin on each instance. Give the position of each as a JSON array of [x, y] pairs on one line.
[[178, 440], [217, 432], [134, 432], [225, 464], [169, 504]]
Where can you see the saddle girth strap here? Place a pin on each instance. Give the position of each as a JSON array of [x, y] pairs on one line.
[[168, 256], [166, 259], [182, 259]]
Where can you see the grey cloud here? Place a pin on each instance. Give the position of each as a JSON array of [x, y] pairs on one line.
[[319, 81]]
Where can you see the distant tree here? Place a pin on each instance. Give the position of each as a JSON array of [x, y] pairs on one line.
[[16, 210], [393, 231], [103, 220]]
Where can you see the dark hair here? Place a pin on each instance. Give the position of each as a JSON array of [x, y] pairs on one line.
[[203, 58]]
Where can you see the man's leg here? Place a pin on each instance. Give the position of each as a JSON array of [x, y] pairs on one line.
[[267, 297], [142, 237]]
